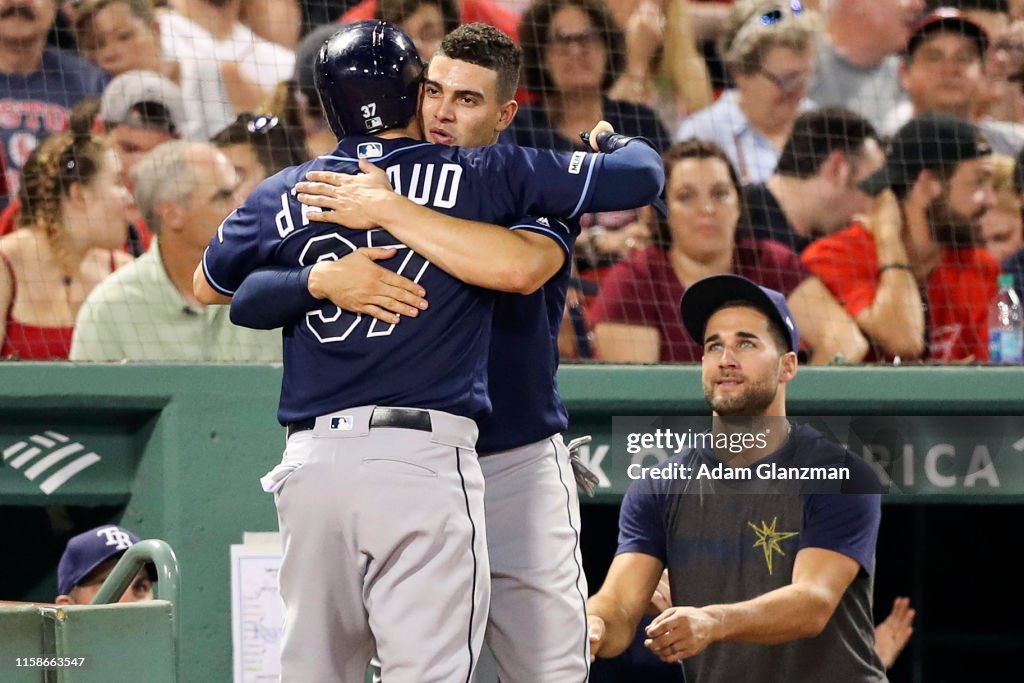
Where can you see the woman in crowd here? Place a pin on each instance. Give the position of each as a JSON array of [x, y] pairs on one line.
[[74, 207], [572, 54], [258, 146], [769, 48], [636, 316]]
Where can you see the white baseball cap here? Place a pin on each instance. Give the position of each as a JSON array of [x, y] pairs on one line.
[[143, 99]]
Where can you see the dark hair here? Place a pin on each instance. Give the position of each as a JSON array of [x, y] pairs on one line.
[[397, 11], [817, 134], [275, 144], [696, 149], [779, 335], [533, 34], [488, 47]]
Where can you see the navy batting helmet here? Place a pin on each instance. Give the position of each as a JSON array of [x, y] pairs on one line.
[[368, 78]]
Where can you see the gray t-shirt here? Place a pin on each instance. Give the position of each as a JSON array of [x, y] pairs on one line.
[[871, 92], [726, 542]]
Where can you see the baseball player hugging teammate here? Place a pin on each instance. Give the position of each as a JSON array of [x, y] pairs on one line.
[[380, 493]]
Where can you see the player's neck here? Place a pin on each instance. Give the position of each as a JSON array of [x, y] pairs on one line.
[[413, 130]]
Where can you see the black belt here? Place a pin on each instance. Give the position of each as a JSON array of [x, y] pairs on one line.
[[401, 418]]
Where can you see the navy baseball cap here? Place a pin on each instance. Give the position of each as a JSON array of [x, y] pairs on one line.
[[88, 550], [931, 141], [704, 297]]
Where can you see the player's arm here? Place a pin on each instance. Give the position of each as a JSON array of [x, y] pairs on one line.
[[204, 292], [462, 248], [354, 283], [614, 612], [800, 610]]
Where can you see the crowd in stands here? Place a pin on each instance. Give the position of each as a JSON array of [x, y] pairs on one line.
[[862, 157]]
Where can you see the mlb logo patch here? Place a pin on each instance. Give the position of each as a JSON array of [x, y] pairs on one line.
[[576, 162], [375, 122], [342, 423], [370, 150]]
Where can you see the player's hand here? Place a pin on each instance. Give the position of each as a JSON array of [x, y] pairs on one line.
[[355, 283], [354, 201], [595, 632], [891, 635], [680, 632], [601, 127], [662, 598]]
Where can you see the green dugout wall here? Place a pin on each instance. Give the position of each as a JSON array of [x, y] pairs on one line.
[[179, 451]]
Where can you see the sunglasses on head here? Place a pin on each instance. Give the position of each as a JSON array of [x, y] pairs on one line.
[[772, 17]]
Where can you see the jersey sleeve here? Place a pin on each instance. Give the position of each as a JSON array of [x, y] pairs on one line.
[[242, 241], [548, 183], [562, 232], [846, 523], [642, 522]]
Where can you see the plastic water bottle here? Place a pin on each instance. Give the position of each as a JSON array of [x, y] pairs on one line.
[[1005, 324]]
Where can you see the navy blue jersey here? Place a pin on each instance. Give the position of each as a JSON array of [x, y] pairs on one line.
[[523, 365], [334, 359]]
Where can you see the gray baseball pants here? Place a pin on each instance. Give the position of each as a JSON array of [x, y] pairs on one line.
[[384, 549]]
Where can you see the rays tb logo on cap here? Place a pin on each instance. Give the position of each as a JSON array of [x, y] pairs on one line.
[[88, 550]]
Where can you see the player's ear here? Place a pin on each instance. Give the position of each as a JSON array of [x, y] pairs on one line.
[[506, 114], [64, 600], [787, 367]]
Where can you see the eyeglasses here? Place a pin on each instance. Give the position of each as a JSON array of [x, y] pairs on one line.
[[589, 39], [789, 83], [772, 17]]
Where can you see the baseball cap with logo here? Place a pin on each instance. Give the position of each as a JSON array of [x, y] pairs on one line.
[[929, 142], [88, 550], [704, 297], [143, 99], [948, 20]]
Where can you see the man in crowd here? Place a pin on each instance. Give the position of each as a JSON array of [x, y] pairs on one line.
[[912, 275], [140, 110], [765, 576], [813, 191], [858, 63], [943, 71], [38, 84], [147, 311]]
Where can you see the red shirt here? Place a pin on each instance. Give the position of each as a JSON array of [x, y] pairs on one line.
[[31, 342], [958, 290], [644, 290], [484, 11]]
